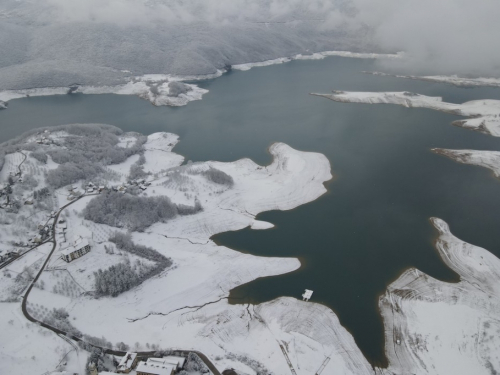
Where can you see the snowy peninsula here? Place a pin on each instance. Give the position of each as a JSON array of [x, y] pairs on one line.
[[180, 279], [487, 159], [84, 205], [484, 115]]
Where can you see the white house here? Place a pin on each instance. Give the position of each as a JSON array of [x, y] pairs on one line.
[[77, 249], [155, 366]]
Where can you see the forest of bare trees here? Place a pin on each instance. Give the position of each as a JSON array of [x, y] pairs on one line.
[[133, 212], [122, 276]]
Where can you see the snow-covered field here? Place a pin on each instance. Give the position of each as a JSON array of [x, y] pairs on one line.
[[178, 307], [157, 312], [26, 348], [185, 306]]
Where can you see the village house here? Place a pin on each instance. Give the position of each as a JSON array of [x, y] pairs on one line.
[[128, 362], [155, 366], [77, 249]]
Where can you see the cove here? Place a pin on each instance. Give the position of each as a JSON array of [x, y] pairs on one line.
[[373, 222]]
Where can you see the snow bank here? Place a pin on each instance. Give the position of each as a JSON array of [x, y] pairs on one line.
[[484, 114], [435, 327], [308, 334]]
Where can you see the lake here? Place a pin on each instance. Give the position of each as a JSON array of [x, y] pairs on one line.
[[373, 222]]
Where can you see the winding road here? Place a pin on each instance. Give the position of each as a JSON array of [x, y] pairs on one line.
[[59, 332]]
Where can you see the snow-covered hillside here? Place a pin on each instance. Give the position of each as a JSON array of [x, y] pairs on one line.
[[50, 44], [182, 279]]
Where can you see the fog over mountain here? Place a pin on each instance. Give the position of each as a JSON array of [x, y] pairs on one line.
[[57, 42], [445, 36]]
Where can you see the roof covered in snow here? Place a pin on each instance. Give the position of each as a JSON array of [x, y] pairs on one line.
[[175, 360], [77, 245], [127, 361], [157, 368]]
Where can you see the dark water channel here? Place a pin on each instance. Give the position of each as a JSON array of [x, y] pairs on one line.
[[373, 222]]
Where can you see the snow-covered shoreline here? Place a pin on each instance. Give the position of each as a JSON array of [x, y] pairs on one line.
[[434, 327], [484, 115], [452, 80], [186, 305], [169, 89], [486, 159], [318, 56], [158, 89]]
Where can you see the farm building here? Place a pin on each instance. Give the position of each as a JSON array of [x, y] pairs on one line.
[[155, 366], [128, 362], [77, 249]]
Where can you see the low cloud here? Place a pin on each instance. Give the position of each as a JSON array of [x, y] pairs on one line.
[[439, 36], [445, 36]]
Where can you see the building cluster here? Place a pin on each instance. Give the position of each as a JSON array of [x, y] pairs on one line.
[[43, 138], [73, 192], [167, 365], [141, 183], [91, 188]]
